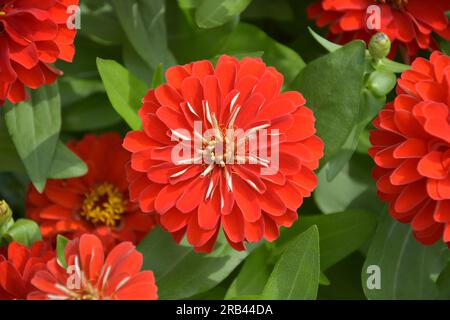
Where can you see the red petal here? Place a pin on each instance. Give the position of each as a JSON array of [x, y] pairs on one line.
[[175, 76], [246, 199], [406, 173], [411, 196], [254, 231], [432, 166], [233, 225], [168, 196]]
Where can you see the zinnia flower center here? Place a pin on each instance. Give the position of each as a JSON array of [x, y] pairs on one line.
[[225, 144], [395, 3], [104, 205]]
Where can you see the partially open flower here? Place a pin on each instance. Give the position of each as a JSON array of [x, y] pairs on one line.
[[223, 148], [92, 275], [411, 148], [18, 265], [95, 203], [33, 35]]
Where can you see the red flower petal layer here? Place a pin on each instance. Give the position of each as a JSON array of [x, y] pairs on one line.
[[411, 148], [33, 35], [92, 275], [195, 199], [18, 265]]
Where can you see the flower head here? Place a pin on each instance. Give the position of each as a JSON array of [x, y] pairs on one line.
[[33, 35], [411, 148], [95, 203], [410, 24], [90, 275], [223, 147], [18, 265]]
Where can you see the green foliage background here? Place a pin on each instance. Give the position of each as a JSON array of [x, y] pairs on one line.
[[123, 48]]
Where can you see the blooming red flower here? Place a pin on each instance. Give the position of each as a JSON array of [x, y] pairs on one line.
[[33, 35], [408, 23], [18, 265], [95, 203], [224, 180], [411, 147], [92, 276]]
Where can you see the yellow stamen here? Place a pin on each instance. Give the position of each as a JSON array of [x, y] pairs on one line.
[[104, 205], [2, 13]]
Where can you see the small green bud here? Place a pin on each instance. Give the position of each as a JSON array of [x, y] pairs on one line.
[[5, 212], [379, 46]]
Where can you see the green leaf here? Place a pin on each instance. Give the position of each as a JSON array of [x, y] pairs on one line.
[[188, 4], [352, 189], [214, 13], [144, 25], [296, 274], [61, 243], [9, 159], [345, 280], [101, 24], [180, 271], [66, 164], [323, 279], [89, 114], [125, 91], [253, 275], [392, 66], [24, 231], [135, 64], [341, 234], [369, 108], [249, 298], [332, 86], [34, 126], [330, 46], [158, 76], [248, 38], [190, 43], [406, 266], [279, 10], [74, 90], [443, 283], [445, 47]]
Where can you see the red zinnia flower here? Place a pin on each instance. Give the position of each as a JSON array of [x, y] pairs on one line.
[[33, 35], [411, 148], [408, 23], [92, 276], [95, 203], [18, 266], [214, 185]]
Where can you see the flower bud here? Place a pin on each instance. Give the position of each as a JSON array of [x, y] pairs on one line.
[[5, 212], [379, 46]]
